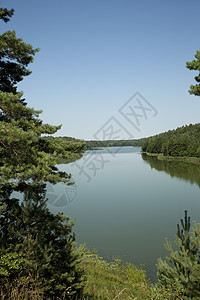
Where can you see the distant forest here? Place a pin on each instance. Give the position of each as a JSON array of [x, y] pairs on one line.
[[89, 145], [114, 143], [183, 141]]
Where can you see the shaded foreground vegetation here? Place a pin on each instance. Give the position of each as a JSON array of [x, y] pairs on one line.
[[52, 271], [37, 248]]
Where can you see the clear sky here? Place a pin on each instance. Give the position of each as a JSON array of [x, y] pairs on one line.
[[94, 55]]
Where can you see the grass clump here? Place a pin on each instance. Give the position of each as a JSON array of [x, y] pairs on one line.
[[113, 280]]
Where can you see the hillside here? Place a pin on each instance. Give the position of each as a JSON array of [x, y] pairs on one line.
[[183, 141]]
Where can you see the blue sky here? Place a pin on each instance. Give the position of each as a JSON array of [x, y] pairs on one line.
[[94, 55]]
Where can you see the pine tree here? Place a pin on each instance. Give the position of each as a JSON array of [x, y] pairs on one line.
[[25, 154], [45, 244], [43, 241], [15, 56], [195, 65], [183, 273]]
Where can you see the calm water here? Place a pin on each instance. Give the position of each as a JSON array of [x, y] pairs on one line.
[[126, 205]]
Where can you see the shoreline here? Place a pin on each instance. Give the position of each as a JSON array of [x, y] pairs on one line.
[[187, 159]]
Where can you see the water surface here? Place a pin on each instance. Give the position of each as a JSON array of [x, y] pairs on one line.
[[126, 205]]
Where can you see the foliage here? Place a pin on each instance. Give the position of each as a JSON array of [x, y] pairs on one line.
[[44, 241], [184, 141], [71, 149], [9, 262], [15, 56], [25, 154], [6, 14], [170, 292], [113, 280], [183, 273], [195, 65], [36, 246]]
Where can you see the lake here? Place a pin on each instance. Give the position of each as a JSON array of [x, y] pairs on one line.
[[125, 205]]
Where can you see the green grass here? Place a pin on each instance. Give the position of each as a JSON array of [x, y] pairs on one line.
[[113, 280]]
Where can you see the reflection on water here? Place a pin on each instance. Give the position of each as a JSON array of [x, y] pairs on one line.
[[183, 170]]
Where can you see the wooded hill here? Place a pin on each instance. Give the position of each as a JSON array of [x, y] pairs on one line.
[[183, 141]]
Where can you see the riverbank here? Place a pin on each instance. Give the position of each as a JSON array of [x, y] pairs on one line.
[[114, 279], [160, 156]]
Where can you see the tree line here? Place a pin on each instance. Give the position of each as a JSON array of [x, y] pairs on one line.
[[183, 141], [91, 144]]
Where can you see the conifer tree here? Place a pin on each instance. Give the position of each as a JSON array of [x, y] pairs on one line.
[[195, 65], [24, 153], [44, 243], [28, 158], [183, 273], [15, 56]]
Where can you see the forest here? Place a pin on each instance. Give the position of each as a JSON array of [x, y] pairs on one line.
[[183, 141]]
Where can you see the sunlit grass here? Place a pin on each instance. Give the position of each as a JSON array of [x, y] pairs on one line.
[[113, 280]]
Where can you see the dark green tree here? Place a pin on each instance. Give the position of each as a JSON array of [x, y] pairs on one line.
[[195, 65], [28, 158], [44, 243]]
